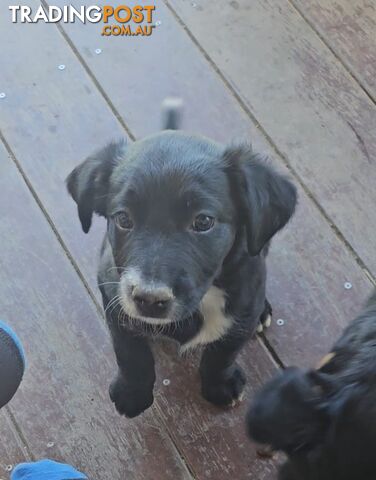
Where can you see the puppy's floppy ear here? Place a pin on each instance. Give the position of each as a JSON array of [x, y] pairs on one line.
[[266, 198], [88, 183]]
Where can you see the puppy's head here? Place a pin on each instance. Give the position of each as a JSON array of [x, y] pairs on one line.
[[292, 411], [174, 204]]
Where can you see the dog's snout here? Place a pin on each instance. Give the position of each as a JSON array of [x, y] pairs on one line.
[[152, 302]]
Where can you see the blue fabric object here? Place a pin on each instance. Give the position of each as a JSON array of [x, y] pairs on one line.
[[11, 333], [46, 470]]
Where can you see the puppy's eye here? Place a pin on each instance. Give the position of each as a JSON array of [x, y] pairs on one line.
[[123, 220], [202, 223]]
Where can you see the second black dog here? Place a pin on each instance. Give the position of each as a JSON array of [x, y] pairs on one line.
[[325, 420]]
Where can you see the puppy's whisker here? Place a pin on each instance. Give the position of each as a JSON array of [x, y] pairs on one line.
[[108, 283], [113, 304], [108, 306], [114, 299]]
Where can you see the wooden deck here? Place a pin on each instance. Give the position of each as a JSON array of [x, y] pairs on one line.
[[298, 78]]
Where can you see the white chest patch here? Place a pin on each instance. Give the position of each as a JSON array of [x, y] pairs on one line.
[[215, 321]]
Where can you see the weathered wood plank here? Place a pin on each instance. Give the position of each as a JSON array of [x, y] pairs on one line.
[[214, 440], [307, 275], [139, 73], [62, 405], [348, 26], [12, 451], [58, 110], [316, 114]]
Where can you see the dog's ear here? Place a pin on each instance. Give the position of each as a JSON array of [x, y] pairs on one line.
[[266, 199], [88, 183]]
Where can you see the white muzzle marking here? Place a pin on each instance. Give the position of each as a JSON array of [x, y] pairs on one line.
[[132, 278]]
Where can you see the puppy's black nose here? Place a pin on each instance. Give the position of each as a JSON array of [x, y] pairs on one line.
[[152, 303]]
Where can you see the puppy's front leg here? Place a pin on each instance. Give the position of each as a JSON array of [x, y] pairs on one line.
[[222, 380], [132, 389]]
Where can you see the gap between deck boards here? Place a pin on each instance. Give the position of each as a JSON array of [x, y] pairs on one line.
[[340, 59]]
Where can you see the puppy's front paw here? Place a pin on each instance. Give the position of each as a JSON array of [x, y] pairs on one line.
[[227, 390], [130, 401]]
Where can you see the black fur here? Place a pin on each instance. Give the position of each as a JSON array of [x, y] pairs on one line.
[[325, 420], [258, 192], [88, 183], [164, 182]]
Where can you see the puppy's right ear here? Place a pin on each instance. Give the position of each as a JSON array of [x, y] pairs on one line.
[[88, 183], [266, 199]]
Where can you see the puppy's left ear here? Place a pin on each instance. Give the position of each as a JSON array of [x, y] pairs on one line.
[[266, 199], [88, 183]]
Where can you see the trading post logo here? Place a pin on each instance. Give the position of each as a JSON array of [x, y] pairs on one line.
[[121, 20]]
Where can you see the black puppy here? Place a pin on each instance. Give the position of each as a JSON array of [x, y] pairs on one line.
[[325, 420], [188, 226]]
